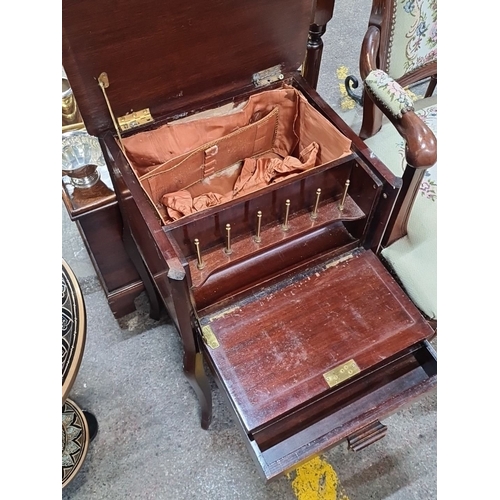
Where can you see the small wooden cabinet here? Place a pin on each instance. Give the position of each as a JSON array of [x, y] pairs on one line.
[[96, 213]]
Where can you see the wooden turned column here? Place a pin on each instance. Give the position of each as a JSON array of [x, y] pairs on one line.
[[312, 62]]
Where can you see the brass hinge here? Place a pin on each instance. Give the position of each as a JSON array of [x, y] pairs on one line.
[[268, 76], [341, 373], [209, 337], [135, 119]]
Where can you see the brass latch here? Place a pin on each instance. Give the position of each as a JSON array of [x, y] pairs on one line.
[[135, 119], [209, 337]]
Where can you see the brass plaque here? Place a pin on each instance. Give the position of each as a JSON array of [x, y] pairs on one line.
[[340, 373], [209, 337]]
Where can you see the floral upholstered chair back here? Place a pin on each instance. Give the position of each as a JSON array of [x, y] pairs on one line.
[[412, 37], [400, 127]]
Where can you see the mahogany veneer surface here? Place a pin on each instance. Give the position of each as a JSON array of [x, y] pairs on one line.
[[276, 346], [166, 55]]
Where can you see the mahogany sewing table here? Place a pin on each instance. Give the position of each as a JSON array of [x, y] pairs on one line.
[[278, 290]]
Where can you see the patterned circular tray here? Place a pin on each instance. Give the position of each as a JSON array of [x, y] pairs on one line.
[[75, 440], [73, 328]]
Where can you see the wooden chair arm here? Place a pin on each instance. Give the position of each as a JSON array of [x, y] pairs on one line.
[[421, 154], [396, 104], [420, 145], [369, 51], [372, 116]]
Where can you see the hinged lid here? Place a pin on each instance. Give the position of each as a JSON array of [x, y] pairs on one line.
[[167, 55]]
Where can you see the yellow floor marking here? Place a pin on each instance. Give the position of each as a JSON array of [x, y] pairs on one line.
[[346, 102], [316, 480]]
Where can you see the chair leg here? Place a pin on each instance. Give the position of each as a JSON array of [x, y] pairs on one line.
[[322, 15]]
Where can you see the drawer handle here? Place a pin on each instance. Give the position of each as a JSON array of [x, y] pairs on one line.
[[366, 436]]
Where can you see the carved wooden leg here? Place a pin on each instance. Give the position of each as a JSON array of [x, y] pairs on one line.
[[193, 358], [135, 257], [314, 53], [195, 373]]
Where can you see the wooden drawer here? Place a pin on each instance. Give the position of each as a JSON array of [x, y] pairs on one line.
[[312, 359]]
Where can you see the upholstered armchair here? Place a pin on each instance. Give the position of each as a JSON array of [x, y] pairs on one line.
[[399, 50]]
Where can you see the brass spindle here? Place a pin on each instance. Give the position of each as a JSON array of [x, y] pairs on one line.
[[257, 238], [200, 264], [285, 226], [344, 195], [228, 248], [314, 213]]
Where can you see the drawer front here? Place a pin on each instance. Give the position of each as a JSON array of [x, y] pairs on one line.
[[417, 377]]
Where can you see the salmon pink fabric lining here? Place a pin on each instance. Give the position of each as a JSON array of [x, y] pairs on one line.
[[197, 162], [256, 174]]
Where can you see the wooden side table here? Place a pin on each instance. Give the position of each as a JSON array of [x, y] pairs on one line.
[[97, 216]]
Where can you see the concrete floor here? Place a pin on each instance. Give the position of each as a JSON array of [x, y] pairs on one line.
[[150, 444]]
